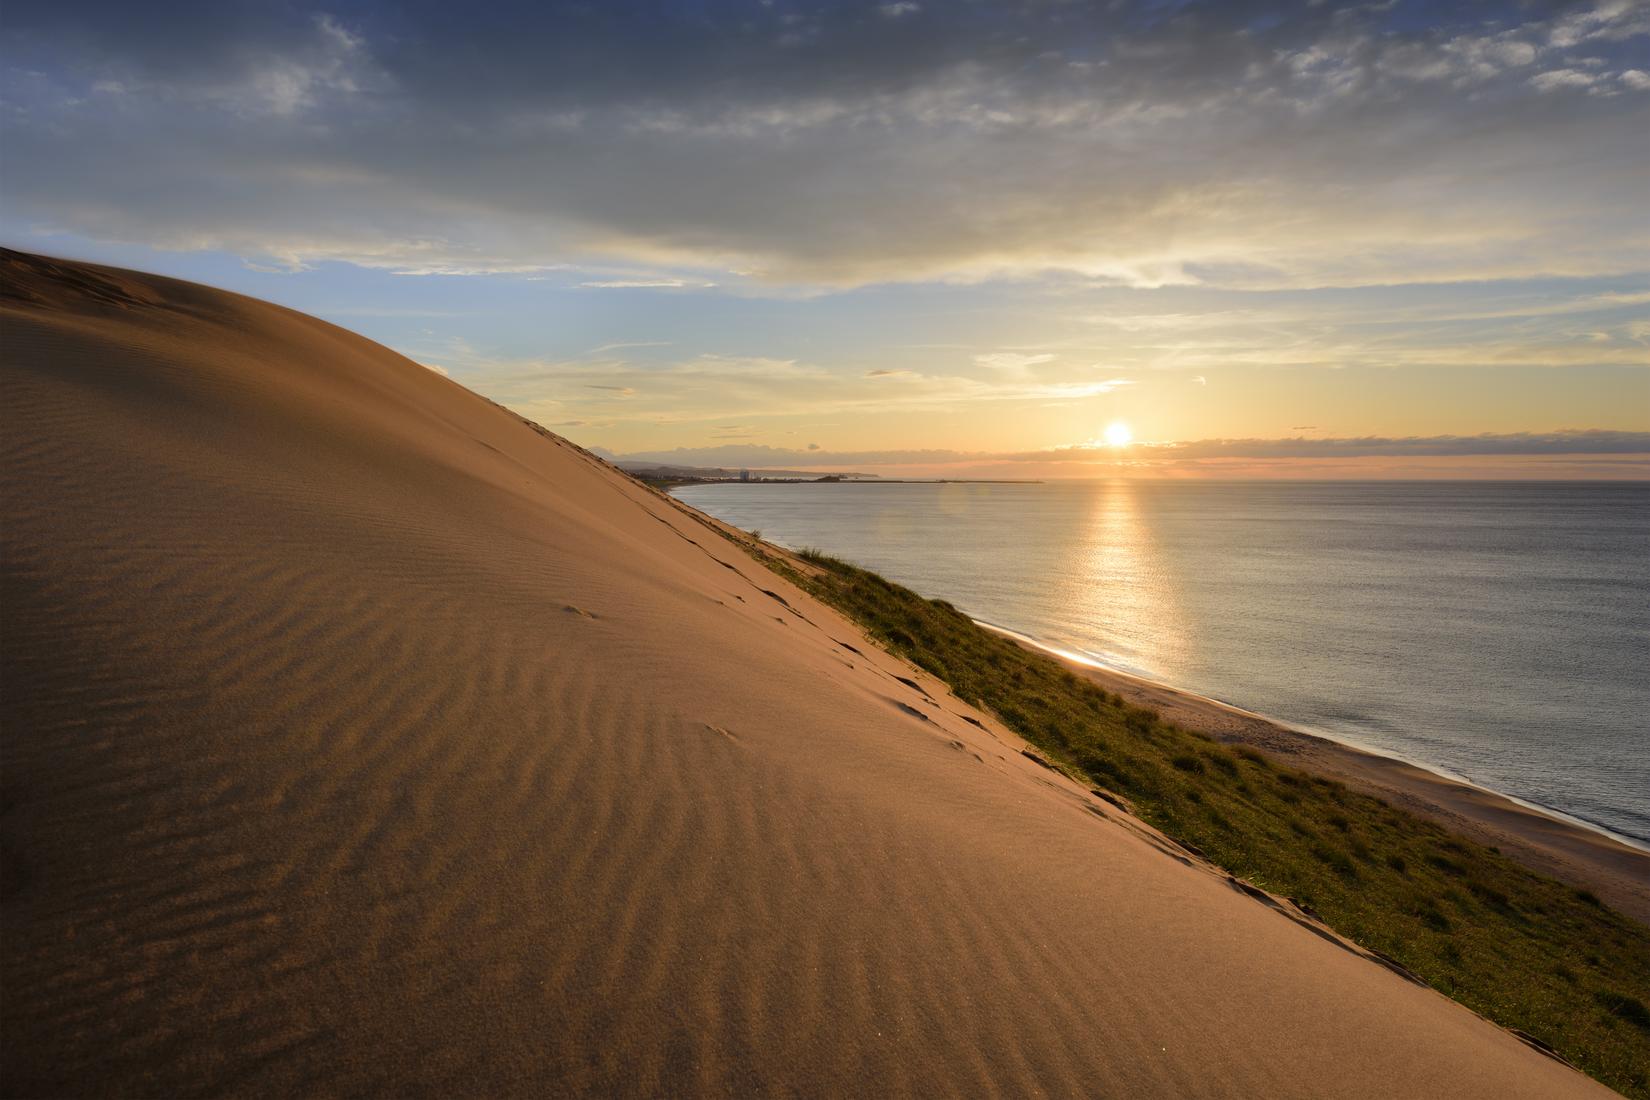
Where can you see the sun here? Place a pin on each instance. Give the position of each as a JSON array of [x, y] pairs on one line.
[[1118, 434]]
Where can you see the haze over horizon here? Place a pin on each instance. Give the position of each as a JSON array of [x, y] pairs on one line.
[[1390, 239]]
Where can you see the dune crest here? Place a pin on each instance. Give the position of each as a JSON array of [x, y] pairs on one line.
[[360, 738]]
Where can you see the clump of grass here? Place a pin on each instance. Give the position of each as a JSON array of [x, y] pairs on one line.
[[1527, 952], [1447, 865], [1623, 1007], [1336, 860], [1221, 761]]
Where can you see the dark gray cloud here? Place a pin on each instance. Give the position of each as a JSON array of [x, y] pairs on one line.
[[1590, 442], [1227, 142]]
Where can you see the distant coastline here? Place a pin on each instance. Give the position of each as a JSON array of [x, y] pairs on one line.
[[672, 481]]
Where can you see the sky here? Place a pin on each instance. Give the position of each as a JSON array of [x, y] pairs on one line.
[[1394, 239]]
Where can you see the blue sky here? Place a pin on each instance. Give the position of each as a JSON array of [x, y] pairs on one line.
[[857, 231]]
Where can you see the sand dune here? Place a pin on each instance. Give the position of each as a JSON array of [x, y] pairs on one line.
[[361, 739]]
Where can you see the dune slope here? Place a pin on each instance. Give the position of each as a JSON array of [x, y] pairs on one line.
[[359, 738]]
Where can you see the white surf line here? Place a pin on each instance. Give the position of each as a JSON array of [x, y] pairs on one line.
[[1443, 773]]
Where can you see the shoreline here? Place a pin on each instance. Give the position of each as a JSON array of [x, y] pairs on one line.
[[1577, 852], [1095, 664]]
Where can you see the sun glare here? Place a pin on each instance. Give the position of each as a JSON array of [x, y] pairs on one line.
[[1118, 434]]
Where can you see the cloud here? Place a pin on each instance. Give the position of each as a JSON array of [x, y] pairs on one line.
[[302, 64], [1521, 444], [1609, 20], [706, 388], [1079, 389], [628, 344], [1572, 442], [1135, 144], [643, 284], [1012, 362], [1410, 343], [1558, 79]]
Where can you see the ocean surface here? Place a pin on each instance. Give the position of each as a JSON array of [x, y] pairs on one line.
[[1498, 632]]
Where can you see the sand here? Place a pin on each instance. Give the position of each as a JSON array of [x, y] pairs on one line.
[[1617, 872], [360, 739]]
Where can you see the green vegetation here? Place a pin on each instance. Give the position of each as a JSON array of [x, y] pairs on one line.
[[1527, 952]]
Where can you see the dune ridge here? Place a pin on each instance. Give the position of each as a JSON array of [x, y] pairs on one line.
[[361, 739]]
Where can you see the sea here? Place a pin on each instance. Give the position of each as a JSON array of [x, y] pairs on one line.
[[1497, 632]]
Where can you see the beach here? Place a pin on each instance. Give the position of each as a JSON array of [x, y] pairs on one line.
[[362, 737], [1571, 851]]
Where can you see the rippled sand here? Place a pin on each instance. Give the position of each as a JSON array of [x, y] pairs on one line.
[[359, 738]]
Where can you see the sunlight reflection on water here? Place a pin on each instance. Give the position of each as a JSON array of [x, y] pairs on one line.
[[1117, 585]]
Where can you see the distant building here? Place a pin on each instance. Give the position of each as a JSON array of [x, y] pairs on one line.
[[744, 475]]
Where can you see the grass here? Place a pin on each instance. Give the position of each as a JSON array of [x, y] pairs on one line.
[[1531, 954]]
